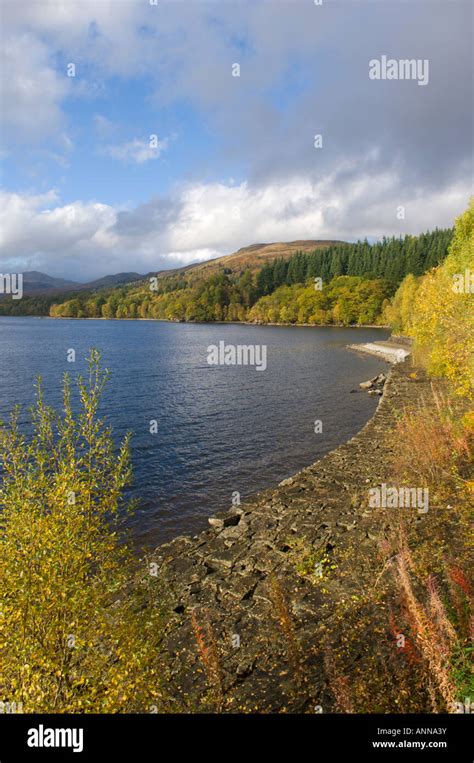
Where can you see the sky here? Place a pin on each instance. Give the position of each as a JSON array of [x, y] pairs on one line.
[[139, 135]]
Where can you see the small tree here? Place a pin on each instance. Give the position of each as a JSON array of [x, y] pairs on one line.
[[77, 631]]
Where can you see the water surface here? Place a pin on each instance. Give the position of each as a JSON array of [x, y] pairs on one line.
[[221, 429]]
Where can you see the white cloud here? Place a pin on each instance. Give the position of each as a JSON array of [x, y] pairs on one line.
[[36, 230], [30, 90], [136, 151], [88, 240]]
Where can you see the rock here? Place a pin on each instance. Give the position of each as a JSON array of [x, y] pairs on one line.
[[226, 518], [245, 667], [346, 525], [374, 386], [242, 587], [222, 561], [181, 565], [234, 532], [214, 522]]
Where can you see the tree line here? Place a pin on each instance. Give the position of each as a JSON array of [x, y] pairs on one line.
[[357, 279], [390, 259]]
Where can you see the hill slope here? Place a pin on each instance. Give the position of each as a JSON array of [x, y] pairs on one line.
[[34, 282], [252, 257], [248, 257]]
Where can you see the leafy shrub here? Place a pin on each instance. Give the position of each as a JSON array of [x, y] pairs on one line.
[[77, 632]]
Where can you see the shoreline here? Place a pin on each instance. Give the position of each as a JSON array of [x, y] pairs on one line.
[[209, 323], [226, 572], [390, 350]]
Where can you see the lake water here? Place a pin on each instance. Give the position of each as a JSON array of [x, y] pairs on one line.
[[221, 429]]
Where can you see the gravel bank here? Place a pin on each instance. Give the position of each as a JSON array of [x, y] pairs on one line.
[[225, 577]]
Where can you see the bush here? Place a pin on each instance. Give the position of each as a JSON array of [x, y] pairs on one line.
[[433, 445], [75, 634]]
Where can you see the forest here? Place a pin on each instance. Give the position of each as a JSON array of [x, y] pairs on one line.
[[345, 284]]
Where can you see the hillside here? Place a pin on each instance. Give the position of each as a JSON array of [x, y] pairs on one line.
[[251, 257], [36, 282], [262, 283]]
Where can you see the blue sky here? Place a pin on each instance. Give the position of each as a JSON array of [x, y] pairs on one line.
[[84, 194], [121, 113]]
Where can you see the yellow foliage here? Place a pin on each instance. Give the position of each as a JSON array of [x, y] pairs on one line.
[[75, 636], [398, 313], [438, 311]]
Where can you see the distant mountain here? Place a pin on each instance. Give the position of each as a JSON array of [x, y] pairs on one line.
[[34, 281], [117, 280], [251, 257]]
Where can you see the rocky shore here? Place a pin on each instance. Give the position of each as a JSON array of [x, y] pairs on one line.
[[394, 350], [256, 599], [373, 386]]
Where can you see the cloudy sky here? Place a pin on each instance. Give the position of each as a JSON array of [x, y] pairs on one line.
[[155, 154]]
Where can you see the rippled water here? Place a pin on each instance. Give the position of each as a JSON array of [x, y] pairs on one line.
[[220, 428]]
